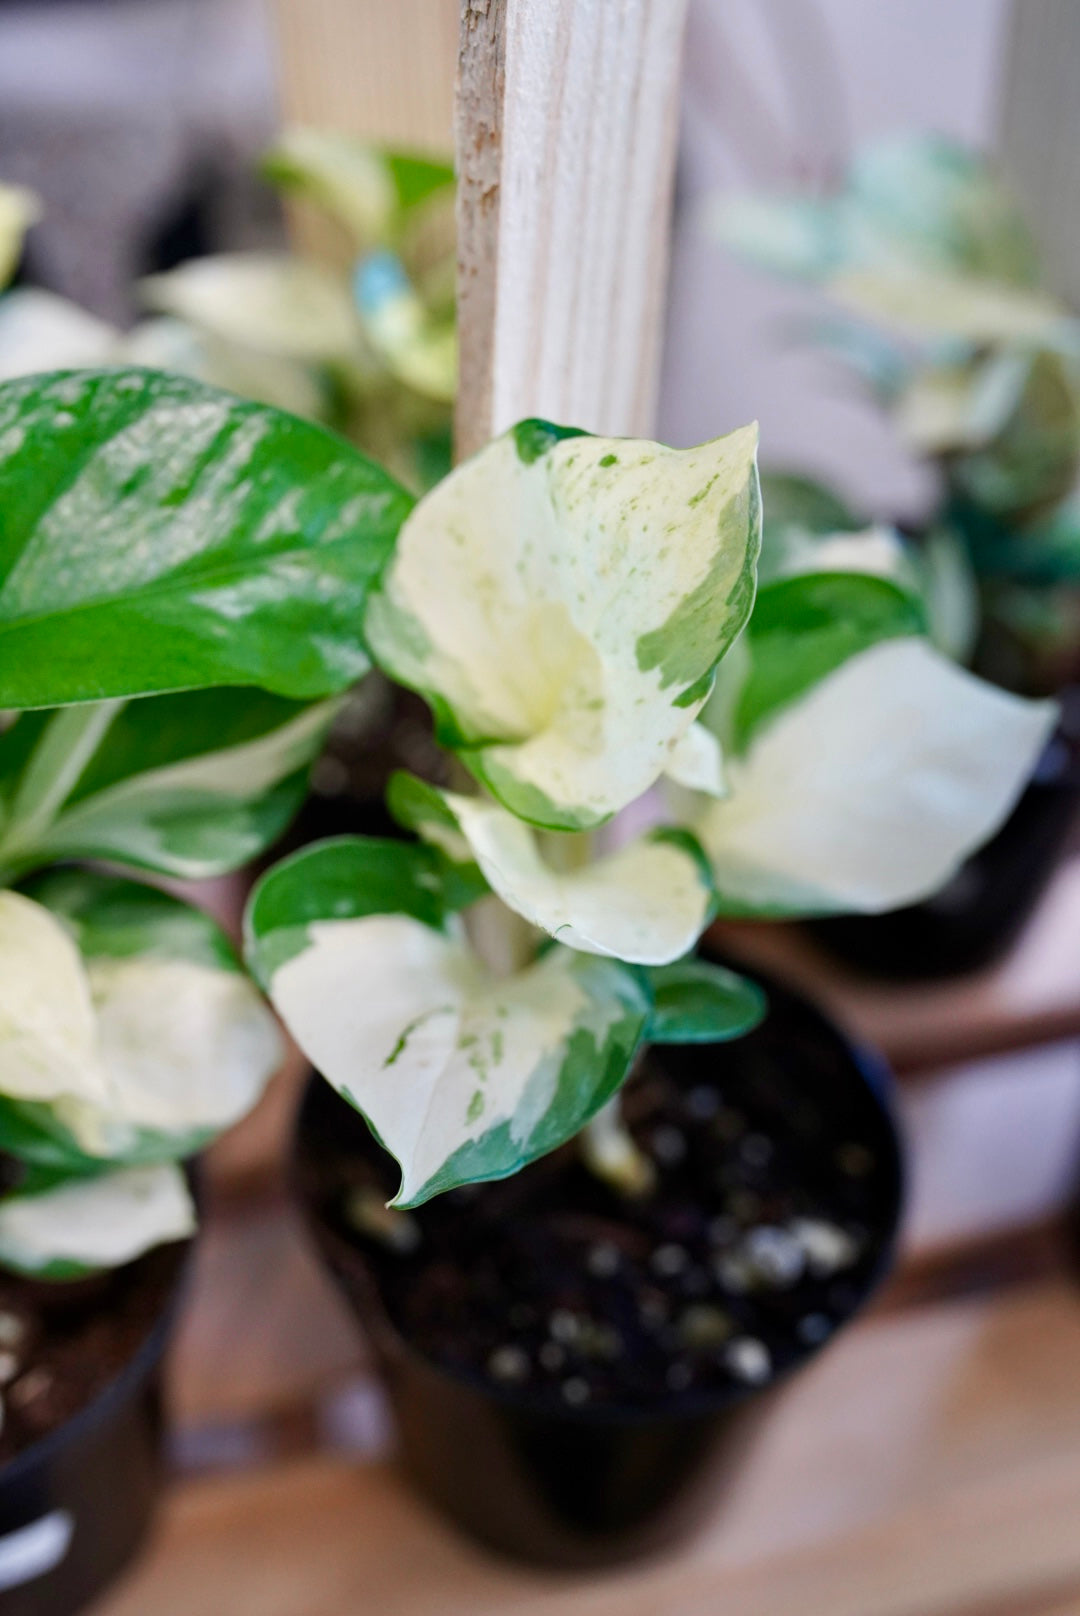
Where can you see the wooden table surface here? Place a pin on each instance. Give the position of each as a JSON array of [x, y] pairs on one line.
[[928, 1463]]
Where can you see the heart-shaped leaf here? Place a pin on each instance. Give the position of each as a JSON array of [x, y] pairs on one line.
[[563, 602], [158, 535], [463, 1076]]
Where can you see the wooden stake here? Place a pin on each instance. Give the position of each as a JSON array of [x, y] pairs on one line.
[[566, 131]]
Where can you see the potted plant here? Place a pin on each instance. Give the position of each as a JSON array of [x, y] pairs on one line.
[[579, 1279], [181, 578], [941, 313]]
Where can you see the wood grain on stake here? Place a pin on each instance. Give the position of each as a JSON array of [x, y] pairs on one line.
[[566, 126]]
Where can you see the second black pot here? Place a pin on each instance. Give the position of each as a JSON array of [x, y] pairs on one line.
[[75, 1507], [594, 1485]]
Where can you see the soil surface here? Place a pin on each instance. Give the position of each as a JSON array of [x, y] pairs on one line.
[[776, 1193], [61, 1344]]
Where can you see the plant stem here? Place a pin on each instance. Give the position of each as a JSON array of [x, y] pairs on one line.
[[609, 1151]]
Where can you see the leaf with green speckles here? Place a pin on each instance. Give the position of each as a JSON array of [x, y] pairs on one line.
[[565, 614], [156, 534], [462, 1075]]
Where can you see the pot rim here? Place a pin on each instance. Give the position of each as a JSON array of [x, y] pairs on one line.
[[100, 1409]]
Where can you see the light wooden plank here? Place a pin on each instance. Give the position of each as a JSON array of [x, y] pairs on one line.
[[929, 1463], [1039, 130], [566, 152], [1032, 997], [379, 69]]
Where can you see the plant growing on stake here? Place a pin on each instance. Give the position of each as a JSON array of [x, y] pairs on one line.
[[942, 314], [566, 603], [580, 613]]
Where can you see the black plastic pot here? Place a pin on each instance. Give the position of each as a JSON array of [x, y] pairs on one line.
[[977, 916], [596, 1485], [76, 1506]]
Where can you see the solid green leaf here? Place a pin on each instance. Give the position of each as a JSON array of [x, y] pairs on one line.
[[156, 534], [695, 1002]]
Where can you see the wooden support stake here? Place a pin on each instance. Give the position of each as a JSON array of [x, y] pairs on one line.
[[566, 130]]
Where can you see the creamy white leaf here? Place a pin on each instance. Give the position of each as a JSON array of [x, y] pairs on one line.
[[19, 209], [564, 607], [268, 302], [187, 1050], [118, 1047], [48, 1031], [697, 761], [41, 331], [870, 791], [646, 904], [96, 1222], [964, 307], [463, 1076], [347, 176]]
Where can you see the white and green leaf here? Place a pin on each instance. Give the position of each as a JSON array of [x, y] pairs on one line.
[[190, 785], [128, 1030], [647, 903], [88, 1224], [868, 791], [809, 623], [462, 1075], [268, 303], [369, 189], [563, 602], [159, 535]]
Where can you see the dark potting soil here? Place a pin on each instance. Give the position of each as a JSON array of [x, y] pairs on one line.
[[61, 1344], [777, 1192]]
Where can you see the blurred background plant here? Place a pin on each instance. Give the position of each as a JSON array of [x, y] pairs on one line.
[[940, 312], [358, 334]]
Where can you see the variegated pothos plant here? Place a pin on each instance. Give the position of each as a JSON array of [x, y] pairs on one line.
[[186, 583], [583, 616]]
